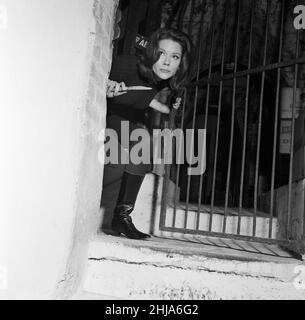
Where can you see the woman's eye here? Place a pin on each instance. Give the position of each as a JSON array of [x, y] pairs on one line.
[[176, 57]]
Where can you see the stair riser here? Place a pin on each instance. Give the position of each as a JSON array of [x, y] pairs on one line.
[[137, 281]]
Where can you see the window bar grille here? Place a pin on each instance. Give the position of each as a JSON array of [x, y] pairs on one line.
[[277, 102], [194, 117], [260, 119], [219, 79], [218, 116], [296, 68], [245, 121], [207, 103], [232, 121]]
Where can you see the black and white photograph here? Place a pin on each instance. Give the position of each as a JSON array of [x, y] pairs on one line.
[[152, 153]]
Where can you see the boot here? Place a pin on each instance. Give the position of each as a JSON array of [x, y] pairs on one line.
[[122, 222]]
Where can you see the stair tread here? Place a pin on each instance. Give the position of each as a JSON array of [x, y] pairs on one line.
[[160, 268], [205, 247]]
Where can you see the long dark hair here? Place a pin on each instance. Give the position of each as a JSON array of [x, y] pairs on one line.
[[151, 56]]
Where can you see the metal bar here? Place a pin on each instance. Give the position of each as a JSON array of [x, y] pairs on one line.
[[194, 118], [182, 9], [296, 68], [167, 173], [165, 185], [260, 119], [207, 103], [303, 216], [277, 102], [164, 196], [239, 74], [218, 116], [225, 235], [245, 121], [190, 27], [179, 155], [232, 121]]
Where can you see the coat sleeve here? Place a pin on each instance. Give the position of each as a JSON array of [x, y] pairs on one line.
[[124, 69], [135, 99]]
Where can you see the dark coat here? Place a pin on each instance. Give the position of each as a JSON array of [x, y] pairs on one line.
[[132, 106]]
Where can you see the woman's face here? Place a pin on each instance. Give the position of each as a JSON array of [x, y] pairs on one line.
[[170, 59]]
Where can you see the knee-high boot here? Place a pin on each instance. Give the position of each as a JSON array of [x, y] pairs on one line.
[[122, 222]]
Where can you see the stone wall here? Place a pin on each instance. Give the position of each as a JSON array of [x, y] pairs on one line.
[[93, 117], [55, 58]]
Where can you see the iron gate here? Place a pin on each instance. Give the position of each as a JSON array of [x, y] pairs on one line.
[[247, 191]]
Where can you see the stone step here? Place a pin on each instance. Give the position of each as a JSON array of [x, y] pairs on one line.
[[173, 269]]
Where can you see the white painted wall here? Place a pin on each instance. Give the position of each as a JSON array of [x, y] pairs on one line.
[[43, 82]]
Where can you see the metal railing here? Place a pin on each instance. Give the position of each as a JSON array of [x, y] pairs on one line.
[[232, 216]]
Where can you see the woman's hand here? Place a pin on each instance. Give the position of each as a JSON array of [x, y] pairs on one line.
[[158, 106], [115, 88]]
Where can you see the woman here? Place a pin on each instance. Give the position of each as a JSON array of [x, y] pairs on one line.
[[132, 89]]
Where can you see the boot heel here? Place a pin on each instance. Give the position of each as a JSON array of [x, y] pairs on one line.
[[123, 225]]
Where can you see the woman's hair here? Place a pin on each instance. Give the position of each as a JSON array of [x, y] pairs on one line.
[[152, 55]]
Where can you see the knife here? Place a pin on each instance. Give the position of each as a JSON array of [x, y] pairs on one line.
[[137, 88]]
